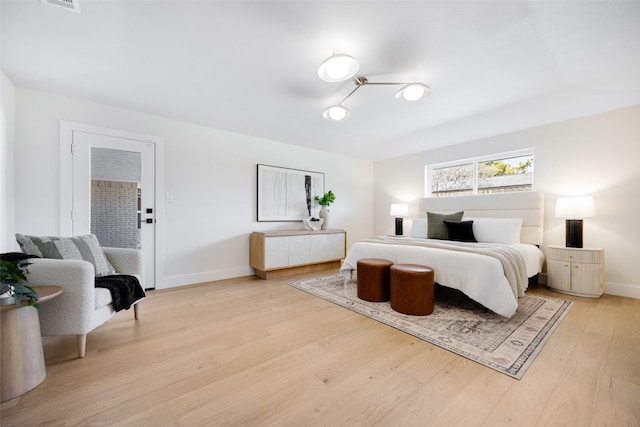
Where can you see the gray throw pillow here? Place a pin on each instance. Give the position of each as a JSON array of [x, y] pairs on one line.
[[84, 248], [436, 229]]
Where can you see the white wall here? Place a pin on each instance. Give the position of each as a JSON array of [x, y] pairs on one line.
[[211, 173], [7, 119], [596, 155]]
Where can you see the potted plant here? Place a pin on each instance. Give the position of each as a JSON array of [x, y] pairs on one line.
[[324, 202], [12, 273]]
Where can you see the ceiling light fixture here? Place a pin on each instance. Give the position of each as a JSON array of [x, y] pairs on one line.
[[340, 67], [336, 113], [413, 91]]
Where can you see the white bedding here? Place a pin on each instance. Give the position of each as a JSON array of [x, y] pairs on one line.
[[480, 277]]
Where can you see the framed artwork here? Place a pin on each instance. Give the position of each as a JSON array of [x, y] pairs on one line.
[[288, 194]]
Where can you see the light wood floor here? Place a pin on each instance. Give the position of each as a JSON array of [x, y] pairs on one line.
[[258, 352]]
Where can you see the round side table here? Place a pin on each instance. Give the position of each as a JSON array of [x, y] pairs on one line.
[[22, 355]]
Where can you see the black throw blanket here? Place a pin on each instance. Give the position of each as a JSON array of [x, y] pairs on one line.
[[125, 290], [16, 256]]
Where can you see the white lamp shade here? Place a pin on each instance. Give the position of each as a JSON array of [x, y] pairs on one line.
[[574, 207], [338, 67], [336, 113], [399, 210], [413, 91]]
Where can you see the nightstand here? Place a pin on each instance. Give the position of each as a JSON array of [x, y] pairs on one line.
[[576, 271]]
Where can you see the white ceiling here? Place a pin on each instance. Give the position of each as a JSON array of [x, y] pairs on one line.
[[250, 67]]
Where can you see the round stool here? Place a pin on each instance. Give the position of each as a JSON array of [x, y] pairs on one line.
[[373, 279], [412, 289]]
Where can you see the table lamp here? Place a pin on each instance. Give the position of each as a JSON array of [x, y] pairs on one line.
[[574, 209], [399, 210]]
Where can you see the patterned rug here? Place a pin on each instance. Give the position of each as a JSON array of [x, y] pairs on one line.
[[459, 324]]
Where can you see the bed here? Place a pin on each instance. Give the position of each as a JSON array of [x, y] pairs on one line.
[[495, 271]]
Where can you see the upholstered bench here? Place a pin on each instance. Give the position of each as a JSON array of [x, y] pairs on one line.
[[411, 289], [373, 279]]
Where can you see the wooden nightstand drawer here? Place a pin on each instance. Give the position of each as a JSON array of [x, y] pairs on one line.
[[588, 256], [576, 271]]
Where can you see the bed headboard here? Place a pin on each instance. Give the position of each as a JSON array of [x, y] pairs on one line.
[[526, 205]]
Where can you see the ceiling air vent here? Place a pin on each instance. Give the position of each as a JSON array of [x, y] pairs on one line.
[[71, 5]]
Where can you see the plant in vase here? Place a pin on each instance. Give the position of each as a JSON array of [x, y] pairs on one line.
[[324, 202], [11, 274]]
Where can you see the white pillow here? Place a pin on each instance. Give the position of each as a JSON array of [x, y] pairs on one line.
[[419, 228], [83, 248], [496, 230]]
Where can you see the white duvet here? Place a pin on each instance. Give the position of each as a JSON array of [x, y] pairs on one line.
[[480, 277]]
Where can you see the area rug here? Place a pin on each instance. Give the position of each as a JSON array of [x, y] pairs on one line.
[[459, 324]]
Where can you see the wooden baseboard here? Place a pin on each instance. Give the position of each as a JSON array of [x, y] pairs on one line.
[[301, 269]]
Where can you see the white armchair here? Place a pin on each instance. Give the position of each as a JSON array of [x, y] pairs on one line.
[[81, 307]]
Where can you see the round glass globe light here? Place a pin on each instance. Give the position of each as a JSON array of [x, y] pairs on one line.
[[338, 67], [336, 113], [413, 91]]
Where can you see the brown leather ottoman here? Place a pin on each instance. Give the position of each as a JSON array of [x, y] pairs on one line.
[[373, 279], [412, 289]]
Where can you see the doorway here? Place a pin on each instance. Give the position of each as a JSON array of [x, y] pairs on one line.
[[113, 190]]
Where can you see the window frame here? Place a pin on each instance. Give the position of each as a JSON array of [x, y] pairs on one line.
[[475, 161]]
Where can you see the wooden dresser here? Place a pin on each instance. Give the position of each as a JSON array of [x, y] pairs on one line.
[[284, 253]]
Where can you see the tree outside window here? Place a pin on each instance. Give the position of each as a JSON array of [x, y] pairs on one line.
[[495, 174]]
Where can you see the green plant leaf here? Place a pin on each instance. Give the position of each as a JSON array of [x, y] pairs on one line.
[[26, 291], [326, 199], [13, 273]]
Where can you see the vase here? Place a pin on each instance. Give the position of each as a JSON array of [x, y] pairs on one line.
[[324, 215], [313, 225], [8, 298]]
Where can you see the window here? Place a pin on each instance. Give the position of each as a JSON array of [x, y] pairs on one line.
[[498, 173]]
